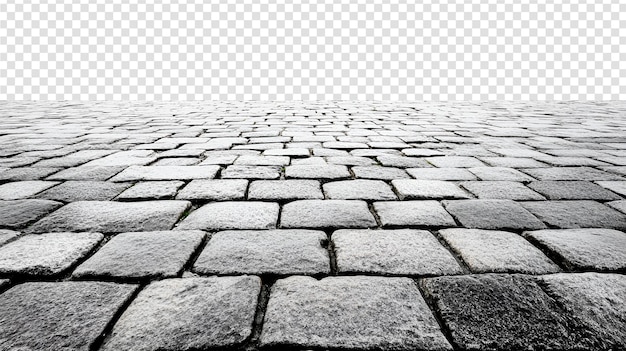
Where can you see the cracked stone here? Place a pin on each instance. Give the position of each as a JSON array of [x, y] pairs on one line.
[[492, 214], [23, 189], [214, 189], [289, 189], [359, 189], [134, 173], [232, 215], [154, 190], [427, 189], [317, 171], [501, 190], [576, 214], [573, 190], [419, 213], [83, 191], [327, 214], [18, 213]]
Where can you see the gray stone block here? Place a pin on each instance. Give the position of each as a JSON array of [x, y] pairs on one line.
[[18, 213], [441, 173], [417, 189], [214, 189], [23, 189], [83, 191], [152, 190], [327, 214], [379, 172], [359, 189], [288, 189], [428, 213], [134, 173], [573, 190], [501, 190], [232, 215], [317, 171], [576, 214], [492, 214]]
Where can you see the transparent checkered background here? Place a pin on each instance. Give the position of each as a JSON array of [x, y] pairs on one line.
[[317, 50]]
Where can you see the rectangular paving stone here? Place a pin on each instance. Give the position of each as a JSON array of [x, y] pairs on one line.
[[7, 235], [573, 190], [317, 171], [513, 162], [379, 172], [359, 189], [500, 173], [618, 205], [350, 160], [282, 252], [493, 251], [166, 173], [23, 189], [571, 173], [176, 161], [254, 160], [501, 190], [288, 189], [188, 314], [327, 214], [402, 161], [140, 255], [492, 214], [427, 213], [87, 173], [350, 313], [454, 161], [125, 158], [392, 252], [112, 217], [83, 191], [27, 173], [441, 173], [59, 315], [412, 189], [214, 189], [151, 190], [232, 215], [250, 172], [18, 213], [576, 214], [584, 249], [618, 187]]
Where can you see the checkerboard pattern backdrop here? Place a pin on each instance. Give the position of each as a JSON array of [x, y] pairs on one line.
[[313, 50]]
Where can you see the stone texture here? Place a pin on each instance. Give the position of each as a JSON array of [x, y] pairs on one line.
[[214, 189], [501, 190], [392, 252], [317, 171], [327, 214], [615, 186], [58, 315], [402, 161], [585, 249], [500, 173], [282, 251], [492, 214], [426, 213], [134, 173], [188, 314], [251, 172], [379, 172], [87, 173], [571, 173], [7, 235], [83, 191], [113, 217], [18, 213], [618, 205], [441, 173], [576, 214], [154, 190], [497, 251], [23, 189], [142, 255], [454, 161], [46, 254], [350, 313], [412, 189], [359, 189], [255, 160], [124, 158], [232, 215], [289, 189], [27, 173], [573, 190]]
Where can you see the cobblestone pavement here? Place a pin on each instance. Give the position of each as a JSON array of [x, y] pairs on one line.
[[322, 225]]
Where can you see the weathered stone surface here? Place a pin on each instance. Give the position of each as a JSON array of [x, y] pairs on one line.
[[513, 162], [615, 186], [166, 173], [454, 161], [492, 214], [142, 255], [46, 254], [500, 173], [397, 252], [58, 315], [27, 173], [214, 189], [251, 172], [87, 173], [589, 248], [124, 158], [232, 215], [419, 213], [7, 235], [83, 191], [327, 214], [502, 312], [402, 161], [317, 171], [350, 160], [441, 173], [23, 189], [379, 172], [154, 190], [176, 161], [18, 213], [188, 314], [279, 251], [359, 189], [576, 214], [573, 190], [427, 189], [113, 217], [618, 205], [289, 189], [501, 190], [350, 312], [497, 251], [255, 160], [571, 173]]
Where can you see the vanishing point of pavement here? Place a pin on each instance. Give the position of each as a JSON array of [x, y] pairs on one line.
[[312, 226]]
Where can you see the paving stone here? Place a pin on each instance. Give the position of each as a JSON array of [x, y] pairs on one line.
[[573, 190], [188, 314], [618, 205], [500, 173], [344, 145], [492, 214], [503, 190], [214, 189], [379, 172], [58, 315], [251, 172], [395, 252], [290, 189], [571, 173], [166, 173], [24, 189], [83, 191], [330, 152], [153, 190], [615, 186], [402, 162], [46, 254], [317, 171], [254, 160], [502, 312], [308, 161], [176, 161], [350, 160], [27, 173], [418, 213], [454, 161], [291, 152], [232, 215], [585, 249], [513, 162], [422, 152], [576, 214], [281, 251], [87, 173], [18, 213], [497, 251], [219, 160], [125, 158], [441, 173], [113, 217], [359, 189], [327, 214], [142, 255], [427, 189], [7, 235]]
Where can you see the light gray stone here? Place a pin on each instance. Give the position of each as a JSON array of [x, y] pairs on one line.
[[317, 171], [87, 173], [573, 190], [23, 189], [441, 173], [282, 251], [289, 189], [83, 191], [571, 173], [152, 190], [232, 215], [251, 172], [214, 189], [352, 313], [176, 161], [513, 162], [395, 252], [350, 160], [7, 235], [254, 160], [27, 173], [327, 214], [618, 205], [133, 173], [402, 161], [379, 172], [427, 189], [492, 214], [500, 174], [113, 217], [427, 213], [454, 162], [501, 190], [124, 158], [18, 213], [615, 186], [576, 214], [188, 314], [359, 189]]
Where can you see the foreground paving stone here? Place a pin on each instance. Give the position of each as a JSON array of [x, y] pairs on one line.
[[27, 173], [289, 189], [500, 173], [142, 255], [576, 214], [487, 251], [350, 312], [492, 214], [7, 235], [454, 161], [501, 190], [427, 189], [379, 172], [124, 158], [359, 189], [87, 173], [166, 173], [573, 190], [615, 186], [58, 316], [571, 173], [317, 171], [113, 217], [264, 252], [155, 190], [503, 312], [582, 249], [327, 214], [402, 161], [441, 173], [396, 252], [18, 213], [251, 172], [24, 189], [419, 213], [214, 189], [46, 254], [188, 314], [232, 215], [83, 191]]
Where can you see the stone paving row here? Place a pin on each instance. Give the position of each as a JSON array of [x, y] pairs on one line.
[[312, 226]]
